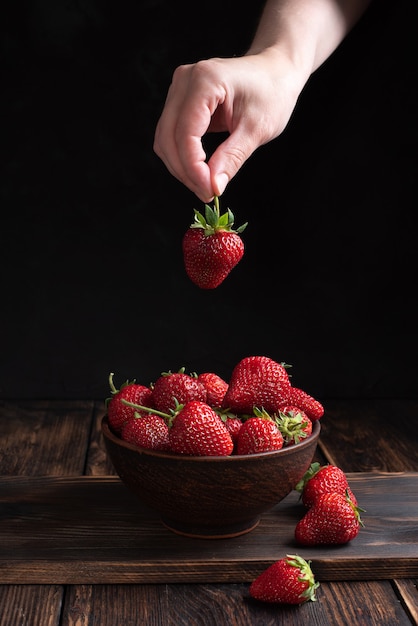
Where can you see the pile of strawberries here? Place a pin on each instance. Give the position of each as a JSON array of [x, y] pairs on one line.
[[332, 518], [258, 410]]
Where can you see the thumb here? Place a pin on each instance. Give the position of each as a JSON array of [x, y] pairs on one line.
[[228, 159]]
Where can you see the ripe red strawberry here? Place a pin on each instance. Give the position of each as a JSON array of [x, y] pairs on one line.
[[232, 422], [117, 412], [197, 430], [288, 581], [147, 431], [320, 479], [176, 386], [312, 407], [259, 434], [216, 387], [294, 424], [257, 381], [211, 248], [333, 519], [233, 425]]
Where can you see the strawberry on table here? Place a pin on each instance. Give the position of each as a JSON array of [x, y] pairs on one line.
[[333, 519], [257, 381], [307, 403], [172, 388], [147, 431], [320, 479], [197, 430], [211, 247], [289, 580], [117, 411], [259, 434]]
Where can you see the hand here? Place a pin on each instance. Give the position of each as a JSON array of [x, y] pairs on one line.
[[251, 97]]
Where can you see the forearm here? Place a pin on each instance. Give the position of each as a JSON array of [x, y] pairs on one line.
[[307, 31]]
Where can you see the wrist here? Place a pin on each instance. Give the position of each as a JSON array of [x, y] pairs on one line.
[[278, 61]]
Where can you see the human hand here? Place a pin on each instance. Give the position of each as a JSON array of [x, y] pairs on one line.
[[250, 97]]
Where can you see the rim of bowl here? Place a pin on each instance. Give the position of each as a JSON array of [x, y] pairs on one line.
[[316, 429]]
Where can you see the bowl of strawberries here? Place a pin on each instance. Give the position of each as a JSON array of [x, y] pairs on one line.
[[211, 456]]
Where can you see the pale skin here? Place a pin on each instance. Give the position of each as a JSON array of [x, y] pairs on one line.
[[251, 97]]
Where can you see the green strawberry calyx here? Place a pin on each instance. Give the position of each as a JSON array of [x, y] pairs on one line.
[[213, 222], [291, 427], [306, 575], [313, 469], [357, 509]]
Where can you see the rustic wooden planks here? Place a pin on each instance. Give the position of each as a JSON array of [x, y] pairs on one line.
[[34, 605], [368, 434], [92, 530], [44, 438], [339, 603]]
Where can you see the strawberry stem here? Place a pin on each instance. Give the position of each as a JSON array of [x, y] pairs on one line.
[[112, 384], [213, 222], [147, 409]]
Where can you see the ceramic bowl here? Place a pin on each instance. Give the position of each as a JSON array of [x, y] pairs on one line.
[[210, 497]]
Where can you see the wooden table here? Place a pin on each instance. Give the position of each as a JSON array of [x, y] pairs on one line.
[[51, 451]]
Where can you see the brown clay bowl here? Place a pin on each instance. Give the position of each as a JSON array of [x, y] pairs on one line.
[[210, 497]]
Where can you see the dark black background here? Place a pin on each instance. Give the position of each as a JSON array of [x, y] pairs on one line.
[[92, 278]]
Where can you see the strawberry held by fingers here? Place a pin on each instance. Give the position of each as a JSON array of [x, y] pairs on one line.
[[211, 247], [257, 381], [289, 580]]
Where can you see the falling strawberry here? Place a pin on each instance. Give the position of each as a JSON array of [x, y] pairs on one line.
[[257, 381], [147, 431], [294, 424], [197, 430], [211, 247], [307, 403], [172, 388], [117, 411], [259, 434], [289, 580], [216, 388], [320, 479], [333, 519]]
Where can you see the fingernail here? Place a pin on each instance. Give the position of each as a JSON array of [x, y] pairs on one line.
[[221, 181]]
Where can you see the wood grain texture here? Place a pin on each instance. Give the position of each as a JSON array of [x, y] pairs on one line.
[[92, 530], [367, 435], [407, 591], [98, 462], [30, 605], [44, 438], [228, 604]]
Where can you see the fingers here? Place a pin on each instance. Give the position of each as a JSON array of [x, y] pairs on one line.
[[230, 156], [243, 96], [178, 138]]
